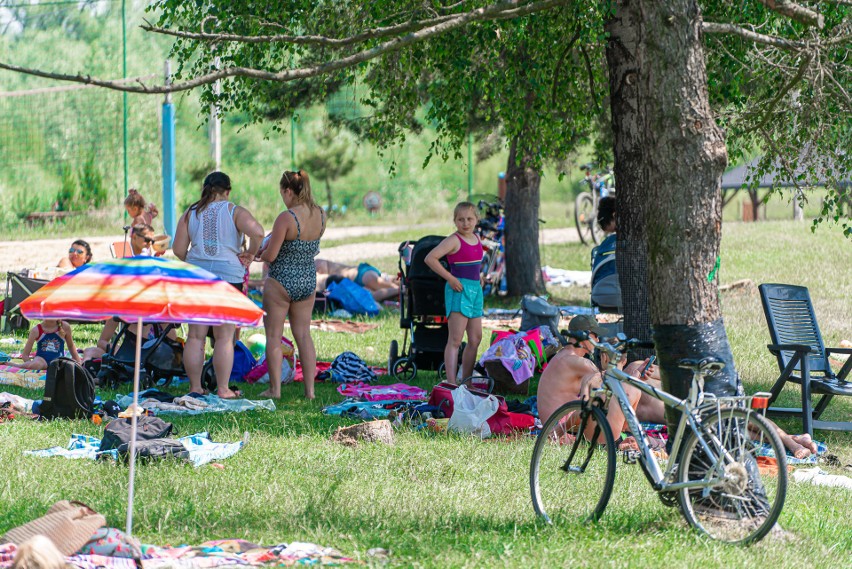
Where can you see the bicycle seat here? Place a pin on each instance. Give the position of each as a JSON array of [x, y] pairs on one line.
[[707, 364]]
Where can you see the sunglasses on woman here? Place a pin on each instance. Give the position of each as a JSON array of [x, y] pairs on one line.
[[78, 251]]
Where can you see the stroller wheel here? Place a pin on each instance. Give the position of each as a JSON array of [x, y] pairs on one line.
[[107, 378], [404, 369], [393, 355], [145, 381]]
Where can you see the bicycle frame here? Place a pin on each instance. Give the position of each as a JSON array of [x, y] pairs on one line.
[[663, 481]]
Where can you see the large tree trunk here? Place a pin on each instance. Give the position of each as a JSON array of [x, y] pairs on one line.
[[523, 261], [623, 57], [685, 157]]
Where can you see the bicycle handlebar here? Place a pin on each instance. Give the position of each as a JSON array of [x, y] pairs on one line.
[[704, 366], [612, 350]]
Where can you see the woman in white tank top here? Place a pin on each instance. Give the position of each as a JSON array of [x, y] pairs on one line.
[[209, 235]]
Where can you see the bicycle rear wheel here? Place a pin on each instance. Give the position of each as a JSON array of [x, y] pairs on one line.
[[572, 470], [584, 217], [744, 505]]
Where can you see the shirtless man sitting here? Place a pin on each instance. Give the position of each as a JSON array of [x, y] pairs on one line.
[[570, 376]]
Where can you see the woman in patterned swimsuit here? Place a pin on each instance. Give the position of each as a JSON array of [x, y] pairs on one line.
[[289, 290]]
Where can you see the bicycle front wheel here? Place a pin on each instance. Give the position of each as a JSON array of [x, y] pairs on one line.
[[572, 471], [584, 217], [746, 500]]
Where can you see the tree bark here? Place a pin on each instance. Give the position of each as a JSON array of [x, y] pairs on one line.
[[523, 259], [624, 56], [685, 157]]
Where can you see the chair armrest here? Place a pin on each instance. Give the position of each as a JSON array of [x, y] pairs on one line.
[[775, 348], [838, 351]]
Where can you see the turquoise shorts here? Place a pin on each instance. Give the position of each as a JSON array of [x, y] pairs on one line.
[[468, 302], [363, 269]]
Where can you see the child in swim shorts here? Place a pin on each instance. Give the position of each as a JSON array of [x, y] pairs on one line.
[[463, 291]]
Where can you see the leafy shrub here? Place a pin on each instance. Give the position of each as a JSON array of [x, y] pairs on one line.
[[93, 193], [66, 197]]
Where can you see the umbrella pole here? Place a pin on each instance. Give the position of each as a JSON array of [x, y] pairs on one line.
[[133, 425]]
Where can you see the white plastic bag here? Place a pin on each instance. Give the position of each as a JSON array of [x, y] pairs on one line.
[[471, 413]]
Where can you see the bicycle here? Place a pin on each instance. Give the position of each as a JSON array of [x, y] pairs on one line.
[[586, 204], [716, 481], [490, 231]]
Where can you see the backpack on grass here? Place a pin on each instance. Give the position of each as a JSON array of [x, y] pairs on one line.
[[117, 432], [152, 439], [69, 391]]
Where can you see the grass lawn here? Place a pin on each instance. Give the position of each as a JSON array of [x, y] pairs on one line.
[[448, 501]]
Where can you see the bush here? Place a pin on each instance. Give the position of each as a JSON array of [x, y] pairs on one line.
[[93, 193]]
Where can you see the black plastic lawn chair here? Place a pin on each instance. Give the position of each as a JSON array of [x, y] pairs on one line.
[[802, 356]]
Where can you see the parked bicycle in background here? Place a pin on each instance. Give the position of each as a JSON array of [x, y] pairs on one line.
[[490, 231], [601, 185]]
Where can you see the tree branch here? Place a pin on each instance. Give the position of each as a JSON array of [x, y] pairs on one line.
[[375, 33], [795, 12], [591, 76], [717, 28], [559, 63], [502, 10], [803, 67]]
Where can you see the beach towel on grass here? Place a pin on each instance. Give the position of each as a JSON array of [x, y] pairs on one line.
[[397, 391], [373, 409], [19, 377], [199, 446], [196, 405], [217, 553]]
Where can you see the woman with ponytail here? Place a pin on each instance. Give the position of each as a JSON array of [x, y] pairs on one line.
[[290, 288], [209, 235]]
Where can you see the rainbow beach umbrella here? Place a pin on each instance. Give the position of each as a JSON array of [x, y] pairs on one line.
[[152, 288], [149, 289]]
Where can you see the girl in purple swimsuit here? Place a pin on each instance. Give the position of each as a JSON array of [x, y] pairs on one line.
[[463, 291]]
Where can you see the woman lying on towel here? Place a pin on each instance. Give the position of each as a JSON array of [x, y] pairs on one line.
[[365, 275]]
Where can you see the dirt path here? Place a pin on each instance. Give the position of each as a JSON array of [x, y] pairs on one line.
[[16, 255]]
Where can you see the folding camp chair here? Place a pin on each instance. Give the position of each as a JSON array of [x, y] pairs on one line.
[[802, 356], [18, 288], [120, 249]]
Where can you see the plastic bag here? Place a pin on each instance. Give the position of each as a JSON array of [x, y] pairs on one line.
[[471, 413], [353, 298]]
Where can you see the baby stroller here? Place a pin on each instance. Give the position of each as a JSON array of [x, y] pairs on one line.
[[162, 358], [421, 312]]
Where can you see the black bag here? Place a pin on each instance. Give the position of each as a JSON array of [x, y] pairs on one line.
[[536, 311], [69, 391], [155, 449], [117, 432]]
